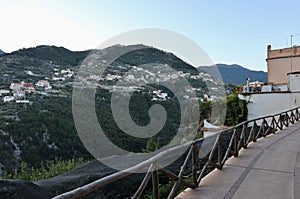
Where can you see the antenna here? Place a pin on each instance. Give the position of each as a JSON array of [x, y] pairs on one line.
[[291, 53], [292, 50], [293, 35]]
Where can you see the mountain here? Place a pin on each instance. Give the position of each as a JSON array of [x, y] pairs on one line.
[[40, 60], [59, 55], [1, 52], [236, 74], [43, 129]]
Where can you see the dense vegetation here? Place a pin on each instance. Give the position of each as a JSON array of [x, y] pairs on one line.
[[44, 131], [152, 55], [236, 111], [139, 106], [59, 55], [47, 169]]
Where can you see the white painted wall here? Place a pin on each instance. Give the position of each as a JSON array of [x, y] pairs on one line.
[[294, 80], [270, 103]]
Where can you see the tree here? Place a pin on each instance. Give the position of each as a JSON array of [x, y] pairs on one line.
[[151, 145]]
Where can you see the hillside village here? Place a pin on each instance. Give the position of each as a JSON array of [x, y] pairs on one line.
[[36, 99], [18, 91], [137, 77]]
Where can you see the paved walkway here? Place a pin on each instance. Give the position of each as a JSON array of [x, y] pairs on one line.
[[267, 169]]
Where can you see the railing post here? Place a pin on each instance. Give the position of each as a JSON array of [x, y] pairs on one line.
[[229, 148], [263, 129], [287, 121], [235, 145], [281, 122], [143, 184], [220, 152], [297, 114], [253, 131], [209, 161], [243, 138], [292, 117], [176, 184], [194, 162], [273, 125], [155, 183]]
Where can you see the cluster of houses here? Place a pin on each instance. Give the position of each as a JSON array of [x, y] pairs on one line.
[[62, 75], [158, 95], [17, 91]]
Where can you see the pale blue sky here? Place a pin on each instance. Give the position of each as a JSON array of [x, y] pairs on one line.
[[233, 31]]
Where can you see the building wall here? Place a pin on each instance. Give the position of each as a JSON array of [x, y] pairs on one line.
[[280, 62], [270, 103], [294, 81], [283, 52], [278, 69]]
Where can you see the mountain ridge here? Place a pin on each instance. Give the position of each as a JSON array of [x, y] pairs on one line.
[[43, 129], [57, 54], [235, 74], [51, 110]]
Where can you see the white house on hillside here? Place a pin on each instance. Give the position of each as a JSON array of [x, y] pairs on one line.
[[8, 98]]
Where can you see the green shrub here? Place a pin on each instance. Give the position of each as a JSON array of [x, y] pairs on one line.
[[46, 170]]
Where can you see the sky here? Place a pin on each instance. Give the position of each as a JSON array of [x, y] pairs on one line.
[[231, 32]]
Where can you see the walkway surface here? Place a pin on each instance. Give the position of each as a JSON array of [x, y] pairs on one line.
[[267, 169]]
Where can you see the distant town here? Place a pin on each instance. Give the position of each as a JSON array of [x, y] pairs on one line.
[[18, 91]]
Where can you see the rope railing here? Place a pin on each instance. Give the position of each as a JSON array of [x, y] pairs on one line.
[[227, 143]]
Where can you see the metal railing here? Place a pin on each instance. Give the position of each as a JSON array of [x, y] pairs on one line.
[[227, 143]]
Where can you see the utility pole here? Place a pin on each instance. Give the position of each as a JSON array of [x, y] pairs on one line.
[[292, 50], [292, 53]]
